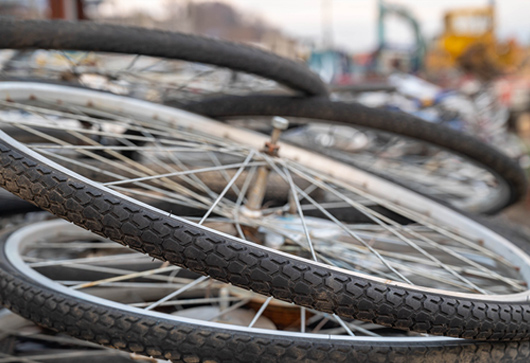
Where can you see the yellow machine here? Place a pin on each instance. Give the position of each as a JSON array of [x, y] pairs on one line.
[[469, 41]]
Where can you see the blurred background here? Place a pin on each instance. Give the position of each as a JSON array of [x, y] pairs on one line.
[[346, 41], [422, 49]]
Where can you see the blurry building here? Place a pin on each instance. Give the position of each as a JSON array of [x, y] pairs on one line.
[[213, 19]]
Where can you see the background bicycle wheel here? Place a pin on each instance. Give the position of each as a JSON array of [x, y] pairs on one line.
[[149, 64], [393, 145]]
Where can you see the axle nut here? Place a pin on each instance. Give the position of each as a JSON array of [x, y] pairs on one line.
[[280, 123]]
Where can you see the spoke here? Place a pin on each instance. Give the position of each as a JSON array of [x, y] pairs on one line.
[[240, 198], [163, 196], [119, 271], [125, 277], [344, 325], [133, 62], [173, 157], [228, 186], [194, 78], [306, 207], [73, 64], [190, 302], [176, 293], [70, 354], [300, 213], [178, 173], [223, 172], [408, 258], [192, 178], [297, 202], [419, 218], [83, 245], [302, 319], [158, 129], [129, 285], [230, 309], [164, 180], [342, 226], [260, 311], [378, 218], [54, 338], [12, 359], [154, 64], [170, 196], [122, 257]]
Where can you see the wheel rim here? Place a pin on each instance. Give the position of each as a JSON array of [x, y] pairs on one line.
[[22, 250]]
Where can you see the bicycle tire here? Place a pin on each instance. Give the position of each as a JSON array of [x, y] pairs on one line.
[[90, 36], [44, 346], [505, 168], [260, 269], [184, 341]]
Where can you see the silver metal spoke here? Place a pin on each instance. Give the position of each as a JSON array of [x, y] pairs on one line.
[[176, 293], [70, 354], [300, 213], [187, 172], [341, 225], [230, 309], [376, 218], [130, 256], [260, 312], [344, 325], [302, 320], [126, 277], [245, 164], [240, 198], [209, 300]]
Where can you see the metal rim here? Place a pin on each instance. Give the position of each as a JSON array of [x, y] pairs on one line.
[[36, 232]]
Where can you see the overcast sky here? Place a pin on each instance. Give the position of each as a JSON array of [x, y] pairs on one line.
[[354, 21]]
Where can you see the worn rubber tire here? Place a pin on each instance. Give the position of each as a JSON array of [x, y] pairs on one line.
[[264, 271], [90, 36], [189, 342]]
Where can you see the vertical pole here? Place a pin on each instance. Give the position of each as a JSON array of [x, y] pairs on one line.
[[66, 9], [381, 24], [57, 9], [326, 12]]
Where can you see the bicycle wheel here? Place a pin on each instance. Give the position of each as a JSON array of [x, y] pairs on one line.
[[150, 64], [427, 158], [176, 315], [417, 264]]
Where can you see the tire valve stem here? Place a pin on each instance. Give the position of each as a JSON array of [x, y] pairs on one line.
[[256, 193]]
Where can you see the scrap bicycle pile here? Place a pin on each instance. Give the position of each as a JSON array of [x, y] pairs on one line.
[[214, 228]]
